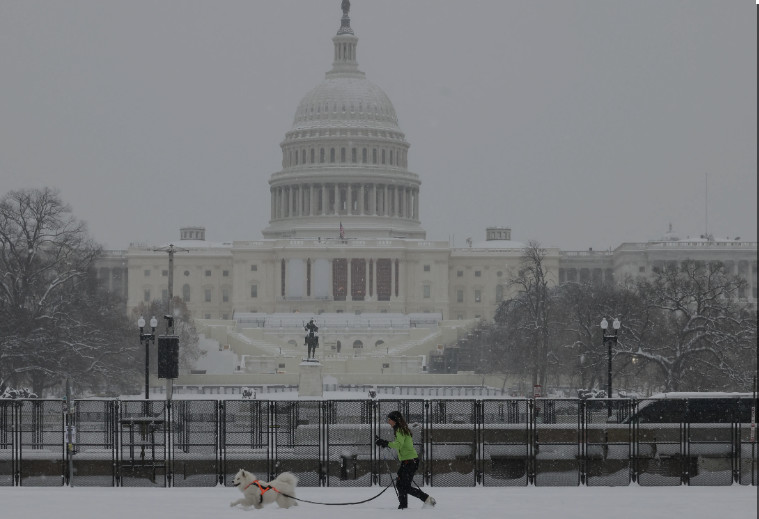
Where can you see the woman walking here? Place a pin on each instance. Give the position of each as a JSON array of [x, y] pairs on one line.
[[409, 461]]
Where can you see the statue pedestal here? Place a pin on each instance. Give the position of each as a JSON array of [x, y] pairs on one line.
[[310, 378]]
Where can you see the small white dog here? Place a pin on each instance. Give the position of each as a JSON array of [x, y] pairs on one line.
[[259, 493]]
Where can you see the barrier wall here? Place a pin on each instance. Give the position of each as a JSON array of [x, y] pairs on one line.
[[461, 442]]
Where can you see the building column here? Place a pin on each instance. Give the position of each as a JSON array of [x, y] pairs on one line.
[[397, 202], [324, 200], [273, 205], [361, 195], [372, 199], [349, 197], [416, 205], [385, 205], [337, 198]]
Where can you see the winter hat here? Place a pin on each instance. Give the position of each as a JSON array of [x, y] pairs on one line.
[[395, 416]]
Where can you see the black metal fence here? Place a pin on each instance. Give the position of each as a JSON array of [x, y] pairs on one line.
[[461, 442]]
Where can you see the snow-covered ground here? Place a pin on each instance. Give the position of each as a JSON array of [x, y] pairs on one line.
[[633, 502]]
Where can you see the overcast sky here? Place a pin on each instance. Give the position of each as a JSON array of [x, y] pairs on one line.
[[576, 123]]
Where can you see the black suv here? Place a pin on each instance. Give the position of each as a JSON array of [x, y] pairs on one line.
[[695, 408]]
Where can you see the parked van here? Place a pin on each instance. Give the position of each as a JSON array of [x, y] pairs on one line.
[[695, 408]]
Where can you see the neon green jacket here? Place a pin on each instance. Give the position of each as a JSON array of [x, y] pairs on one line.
[[404, 445]]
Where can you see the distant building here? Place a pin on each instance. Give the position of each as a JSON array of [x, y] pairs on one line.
[[345, 236]]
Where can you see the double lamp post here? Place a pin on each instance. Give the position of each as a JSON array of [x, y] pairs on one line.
[[147, 338], [608, 340]]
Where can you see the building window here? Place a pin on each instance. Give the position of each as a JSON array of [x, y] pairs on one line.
[[478, 273], [147, 273], [283, 277], [225, 316], [499, 293], [460, 317], [426, 268], [225, 273], [342, 154], [383, 155], [208, 273], [253, 268], [146, 295], [339, 279], [397, 276], [459, 273], [225, 295], [208, 316], [459, 296], [363, 155], [499, 273], [642, 269], [354, 155], [254, 291], [186, 293], [321, 155], [165, 273], [384, 279], [308, 277], [332, 155], [358, 279], [208, 295], [477, 296], [186, 273], [426, 291], [374, 156]]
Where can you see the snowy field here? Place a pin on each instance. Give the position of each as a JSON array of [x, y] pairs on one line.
[[633, 502]]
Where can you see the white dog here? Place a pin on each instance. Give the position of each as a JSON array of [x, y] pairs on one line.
[[259, 493]]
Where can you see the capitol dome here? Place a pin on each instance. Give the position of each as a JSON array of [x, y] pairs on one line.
[[348, 102], [345, 160]]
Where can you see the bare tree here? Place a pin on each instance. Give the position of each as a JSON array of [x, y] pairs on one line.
[[697, 329], [526, 318], [53, 322]]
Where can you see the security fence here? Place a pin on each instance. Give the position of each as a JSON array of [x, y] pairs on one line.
[[461, 442]]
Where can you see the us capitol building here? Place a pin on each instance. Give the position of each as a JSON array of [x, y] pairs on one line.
[[345, 244]]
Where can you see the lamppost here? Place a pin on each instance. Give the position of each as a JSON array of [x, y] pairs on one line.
[[608, 341], [146, 338]]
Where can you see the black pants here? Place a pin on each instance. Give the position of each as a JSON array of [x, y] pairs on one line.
[[405, 486]]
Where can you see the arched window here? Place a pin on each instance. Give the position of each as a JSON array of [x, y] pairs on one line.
[[303, 156], [321, 155], [312, 156], [391, 157], [363, 155], [383, 155], [186, 293], [332, 155], [342, 154], [354, 155], [374, 156]]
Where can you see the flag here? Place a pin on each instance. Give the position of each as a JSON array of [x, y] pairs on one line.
[[342, 231]]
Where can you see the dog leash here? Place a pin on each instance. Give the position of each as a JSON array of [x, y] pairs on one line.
[[331, 504]]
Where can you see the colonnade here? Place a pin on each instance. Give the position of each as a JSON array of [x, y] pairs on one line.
[[345, 199]]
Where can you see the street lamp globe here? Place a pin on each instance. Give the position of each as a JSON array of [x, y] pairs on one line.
[[154, 323], [604, 324], [141, 322], [616, 324]]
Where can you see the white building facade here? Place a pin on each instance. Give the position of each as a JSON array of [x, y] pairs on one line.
[[345, 233]]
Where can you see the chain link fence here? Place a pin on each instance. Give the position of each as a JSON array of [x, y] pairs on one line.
[[461, 442]]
